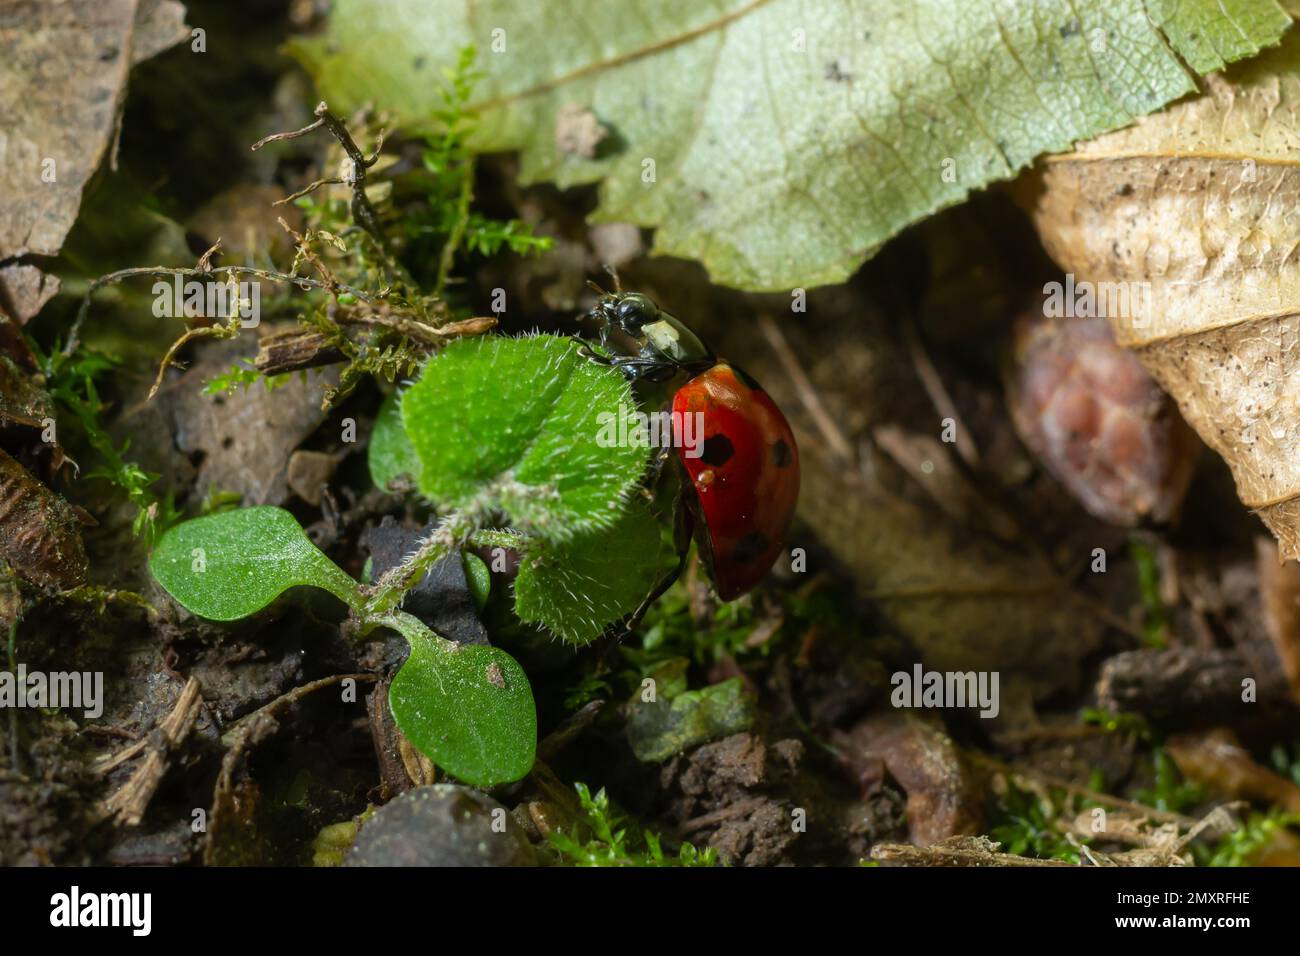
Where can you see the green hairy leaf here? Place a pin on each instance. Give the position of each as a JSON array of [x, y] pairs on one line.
[[233, 564], [781, 142], [515, 424], [578, 587], [468, 707], [391, 455]]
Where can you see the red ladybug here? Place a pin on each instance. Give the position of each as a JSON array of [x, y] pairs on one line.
[[741, 477]]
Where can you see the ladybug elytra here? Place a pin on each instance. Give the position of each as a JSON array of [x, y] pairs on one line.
[[739, 487]]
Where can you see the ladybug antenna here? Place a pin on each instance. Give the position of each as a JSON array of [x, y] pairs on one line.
[[613, 274], [593, 285]]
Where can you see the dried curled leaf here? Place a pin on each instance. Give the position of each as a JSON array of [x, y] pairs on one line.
[[39, 533], [1193, 210], [1097, 421], [63, 73]]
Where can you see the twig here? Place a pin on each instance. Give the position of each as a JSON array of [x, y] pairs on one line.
[[955, 851], [112, 278], [305, 251], [939, 397], [330, 181], [739, 808], [355, 177], [239, 730], [804, 386], [569, 729], [414, 329], [1080, 791], [128, 804], [226, 331]]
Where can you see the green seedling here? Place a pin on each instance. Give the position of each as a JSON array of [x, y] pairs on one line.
[[604, 837], [501, 435]]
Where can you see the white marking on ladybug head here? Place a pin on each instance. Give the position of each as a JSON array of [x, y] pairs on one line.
[[664, 336]]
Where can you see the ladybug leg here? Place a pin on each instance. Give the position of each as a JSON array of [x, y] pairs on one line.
[[654, 472], [637, 368], [661, 586], [682, 528], [633, 368]]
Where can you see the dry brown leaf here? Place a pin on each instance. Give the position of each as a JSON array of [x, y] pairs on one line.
[[1200, 202], [41, 536], [942, 800], [1279, 587], [24, 289], [245, 437], [1216, 759], [63, 70]]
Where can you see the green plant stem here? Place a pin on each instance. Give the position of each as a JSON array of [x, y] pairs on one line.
[[413, 629], [450, 535], [458, 231]]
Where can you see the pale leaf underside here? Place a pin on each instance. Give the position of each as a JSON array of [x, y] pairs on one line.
[[789, 138]]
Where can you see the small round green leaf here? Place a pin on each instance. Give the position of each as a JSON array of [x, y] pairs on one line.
[[523, 426], [468, 708], [391, 454], [578, 587], [233, 564], [478, 577]]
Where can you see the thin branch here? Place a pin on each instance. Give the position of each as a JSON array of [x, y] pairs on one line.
[[331, 181], [227, 331], [129, 803], [804, 387], [303, 282], [277, 137], [932, 381], [355, 178]]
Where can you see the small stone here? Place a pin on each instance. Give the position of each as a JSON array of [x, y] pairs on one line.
[[442, 825], [308, 473]]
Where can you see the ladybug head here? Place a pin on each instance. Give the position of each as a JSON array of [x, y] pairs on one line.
[[629, 312]]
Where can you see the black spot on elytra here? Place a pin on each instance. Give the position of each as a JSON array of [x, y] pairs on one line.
[[750, 382], [717, 450], [781, 454], [750, 547]]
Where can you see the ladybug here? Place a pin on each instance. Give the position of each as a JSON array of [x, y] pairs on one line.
[[740, 478]]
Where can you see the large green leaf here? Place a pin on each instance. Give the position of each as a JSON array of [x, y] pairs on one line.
[[230, 565], [468, 707], [391, 455], [790, 138], [578, 587], [517, 424]]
